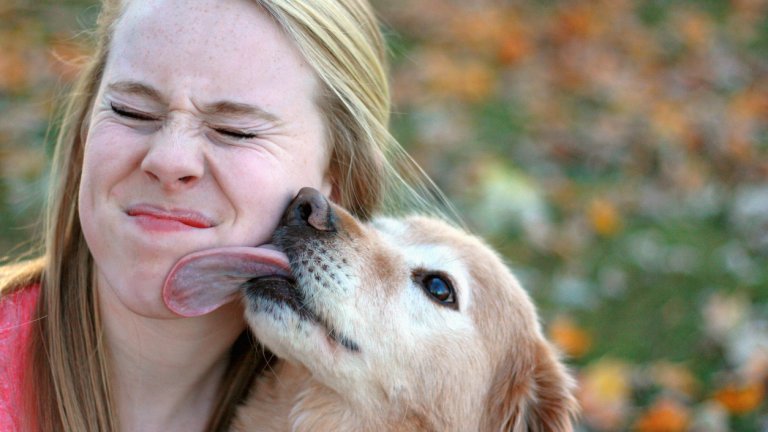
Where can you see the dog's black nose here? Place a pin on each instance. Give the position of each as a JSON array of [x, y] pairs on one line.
[[310, 208]]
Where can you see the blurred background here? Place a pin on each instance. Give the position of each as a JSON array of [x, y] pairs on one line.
[[614, 151]]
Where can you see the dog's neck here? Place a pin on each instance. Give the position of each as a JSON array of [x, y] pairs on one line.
[[289, 398]]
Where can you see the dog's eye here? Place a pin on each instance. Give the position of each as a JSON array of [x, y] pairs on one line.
[[439, 288]]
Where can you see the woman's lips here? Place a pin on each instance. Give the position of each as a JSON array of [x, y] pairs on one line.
[[159, 219]]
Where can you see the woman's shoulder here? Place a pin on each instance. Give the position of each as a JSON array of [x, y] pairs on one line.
[[17, 309], [19, 290], [20, 275]]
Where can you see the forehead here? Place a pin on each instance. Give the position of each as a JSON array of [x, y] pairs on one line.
[[418, 231], [230, 48], [425, 251], [438, 246]]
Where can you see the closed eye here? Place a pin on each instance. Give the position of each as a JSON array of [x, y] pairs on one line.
[[130, 114], [235, 133]]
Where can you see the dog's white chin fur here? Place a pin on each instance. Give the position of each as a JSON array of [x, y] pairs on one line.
[[380, 354]]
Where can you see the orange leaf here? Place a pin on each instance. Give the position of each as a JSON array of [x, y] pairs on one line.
[[740, 398], [469, 80], [13, 69], [513, 48], [577, 21], [666, 415], [604, 392], [604, 216], [572, 339]]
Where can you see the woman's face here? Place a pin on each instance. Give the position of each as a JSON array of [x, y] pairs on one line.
[[203, 129]]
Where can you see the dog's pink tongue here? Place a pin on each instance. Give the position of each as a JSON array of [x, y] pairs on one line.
[[203, 281]]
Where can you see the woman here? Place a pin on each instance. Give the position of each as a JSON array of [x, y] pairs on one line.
[[192, 127]]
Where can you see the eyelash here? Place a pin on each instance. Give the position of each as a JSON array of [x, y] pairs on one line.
[[141, 117], [236, 134], [130, 114]]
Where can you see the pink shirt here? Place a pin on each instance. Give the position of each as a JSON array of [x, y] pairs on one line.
[[16, 312]]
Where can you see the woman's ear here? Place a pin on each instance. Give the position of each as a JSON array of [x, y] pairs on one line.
[[534, 395]]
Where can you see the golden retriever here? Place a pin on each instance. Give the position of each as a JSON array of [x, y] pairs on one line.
[[397, 325], [393, 325]]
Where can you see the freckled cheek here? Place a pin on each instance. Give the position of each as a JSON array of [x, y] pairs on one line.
[[312, 159], [312, 166], [257, 190], [110, 156], [320, 164], [110, 148]]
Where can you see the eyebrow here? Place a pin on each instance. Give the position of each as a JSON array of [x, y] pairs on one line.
[[227, 108], [136, 88], [218, 108]]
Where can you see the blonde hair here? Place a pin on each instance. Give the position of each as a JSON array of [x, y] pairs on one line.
[[68, 375], [342, 42]]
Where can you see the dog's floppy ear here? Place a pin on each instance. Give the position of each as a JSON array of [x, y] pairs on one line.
[[532, 394]]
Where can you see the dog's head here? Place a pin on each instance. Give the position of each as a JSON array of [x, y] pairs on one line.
[[411, 315]]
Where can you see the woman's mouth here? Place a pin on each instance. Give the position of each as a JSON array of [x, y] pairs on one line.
[[158, 219]]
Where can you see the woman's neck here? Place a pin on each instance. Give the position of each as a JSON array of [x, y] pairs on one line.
[[166, 373]]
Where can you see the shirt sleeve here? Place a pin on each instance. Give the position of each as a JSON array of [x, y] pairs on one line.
[[16, 315]]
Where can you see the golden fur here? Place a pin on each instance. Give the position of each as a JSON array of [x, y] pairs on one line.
[[381, 355]]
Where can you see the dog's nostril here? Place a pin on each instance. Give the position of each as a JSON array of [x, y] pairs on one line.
[[305, 211], [310, 208]]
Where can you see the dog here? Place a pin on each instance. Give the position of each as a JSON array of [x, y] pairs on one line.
[[397, 325], [392, 325]]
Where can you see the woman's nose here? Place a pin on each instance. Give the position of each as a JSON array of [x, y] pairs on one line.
[[174, 160]]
